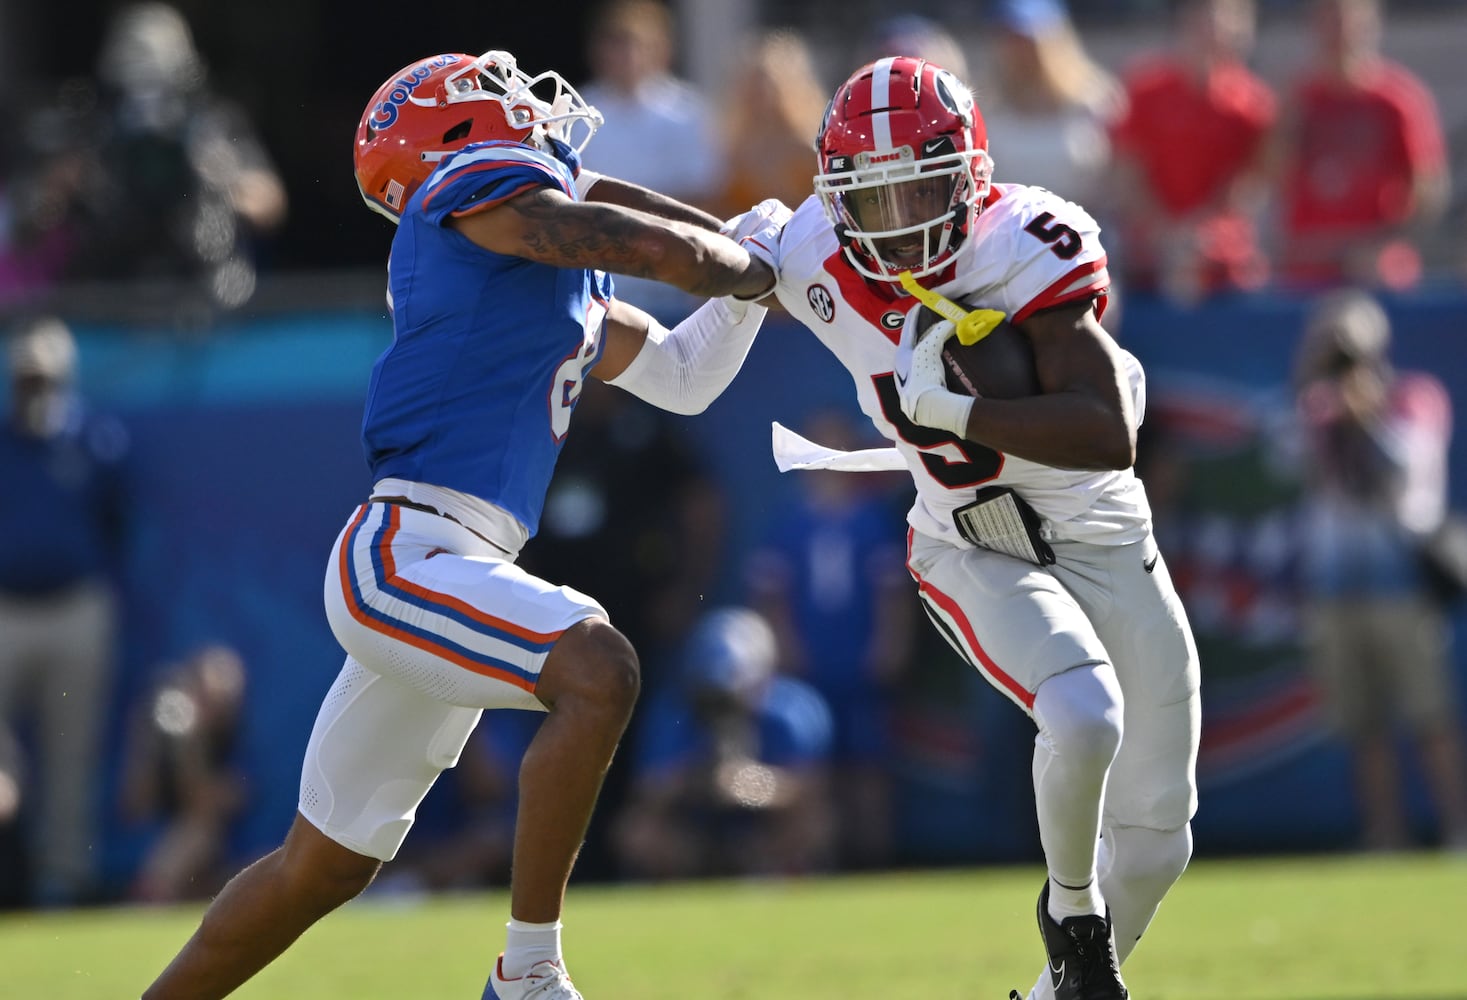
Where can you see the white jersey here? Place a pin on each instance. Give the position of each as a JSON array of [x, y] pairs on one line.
[[1028, 250]]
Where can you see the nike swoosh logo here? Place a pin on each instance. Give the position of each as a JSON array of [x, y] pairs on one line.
[[1150, 564], [1057, 975], [928, 148]]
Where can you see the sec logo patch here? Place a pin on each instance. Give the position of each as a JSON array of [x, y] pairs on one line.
[[821, 301]]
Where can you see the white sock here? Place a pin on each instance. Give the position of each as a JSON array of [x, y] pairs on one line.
[[1074, 901], [526, 944]]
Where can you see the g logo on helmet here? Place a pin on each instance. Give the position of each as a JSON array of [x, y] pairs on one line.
[[384, 115], [954, 95]]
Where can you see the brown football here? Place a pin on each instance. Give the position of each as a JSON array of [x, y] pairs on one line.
[[1000, 366]]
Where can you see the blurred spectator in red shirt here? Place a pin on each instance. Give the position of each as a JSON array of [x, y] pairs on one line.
[[1189, 153], [1362, 157]]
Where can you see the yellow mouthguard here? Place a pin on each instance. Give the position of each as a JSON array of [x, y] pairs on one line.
[[972, 326]]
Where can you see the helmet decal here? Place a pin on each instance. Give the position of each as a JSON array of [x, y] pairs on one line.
[[394, 195], [384, 113], [948, 87]]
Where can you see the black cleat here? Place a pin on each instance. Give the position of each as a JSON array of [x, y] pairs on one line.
[[1082, 955]]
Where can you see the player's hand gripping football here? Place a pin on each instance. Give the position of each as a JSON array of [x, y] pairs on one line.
[[921, 377], [758, 231]]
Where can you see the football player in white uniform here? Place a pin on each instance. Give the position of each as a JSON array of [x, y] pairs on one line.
[[1030, 540]]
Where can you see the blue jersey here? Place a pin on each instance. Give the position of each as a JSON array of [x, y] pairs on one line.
[[489, 351]]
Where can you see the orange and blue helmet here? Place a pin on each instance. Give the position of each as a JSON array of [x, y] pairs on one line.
[[436, 106]]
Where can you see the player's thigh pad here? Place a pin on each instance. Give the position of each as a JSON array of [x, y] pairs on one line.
[[1014, 621], [375, 751], [422, 600], [1140, 618]]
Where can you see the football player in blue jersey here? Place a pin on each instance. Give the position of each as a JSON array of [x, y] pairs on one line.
[[501, 306]]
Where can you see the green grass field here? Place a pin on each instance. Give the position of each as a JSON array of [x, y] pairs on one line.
[[1288, 929]]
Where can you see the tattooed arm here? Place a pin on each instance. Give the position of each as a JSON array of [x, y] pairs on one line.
[[545, 226], [611, 191]]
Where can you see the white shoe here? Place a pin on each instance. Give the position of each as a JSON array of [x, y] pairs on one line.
[[545, 981]]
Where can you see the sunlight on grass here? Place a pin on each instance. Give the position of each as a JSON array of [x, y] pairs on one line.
[[1286, 929]]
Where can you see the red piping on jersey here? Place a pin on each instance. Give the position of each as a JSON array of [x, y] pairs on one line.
[[955, 612], [482, 206], [1051, 296], [492, 165], [870, 299]]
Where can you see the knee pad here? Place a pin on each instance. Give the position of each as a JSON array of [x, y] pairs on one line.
[[1138, 856], [1079, 713]]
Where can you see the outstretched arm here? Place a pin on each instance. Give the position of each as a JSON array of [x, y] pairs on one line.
[[683, 369], [544, 225], [612, 191]]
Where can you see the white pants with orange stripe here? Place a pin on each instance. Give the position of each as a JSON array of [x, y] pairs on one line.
[[437, 626], [1020, 624]]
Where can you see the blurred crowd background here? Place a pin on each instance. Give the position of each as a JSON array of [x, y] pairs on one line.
[[192, 295]]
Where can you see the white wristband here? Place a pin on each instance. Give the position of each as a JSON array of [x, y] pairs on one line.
[[945, 411]]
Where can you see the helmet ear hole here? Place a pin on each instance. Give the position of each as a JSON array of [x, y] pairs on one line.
[[459, 131]]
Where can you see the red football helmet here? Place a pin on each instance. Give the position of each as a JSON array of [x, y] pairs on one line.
[[904, 166], [439, 105]]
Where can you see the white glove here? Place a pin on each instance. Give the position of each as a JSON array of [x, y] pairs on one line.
[[921, 379], [758, 230]]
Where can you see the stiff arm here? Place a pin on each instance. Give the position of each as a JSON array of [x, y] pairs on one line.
[[546, 226]]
